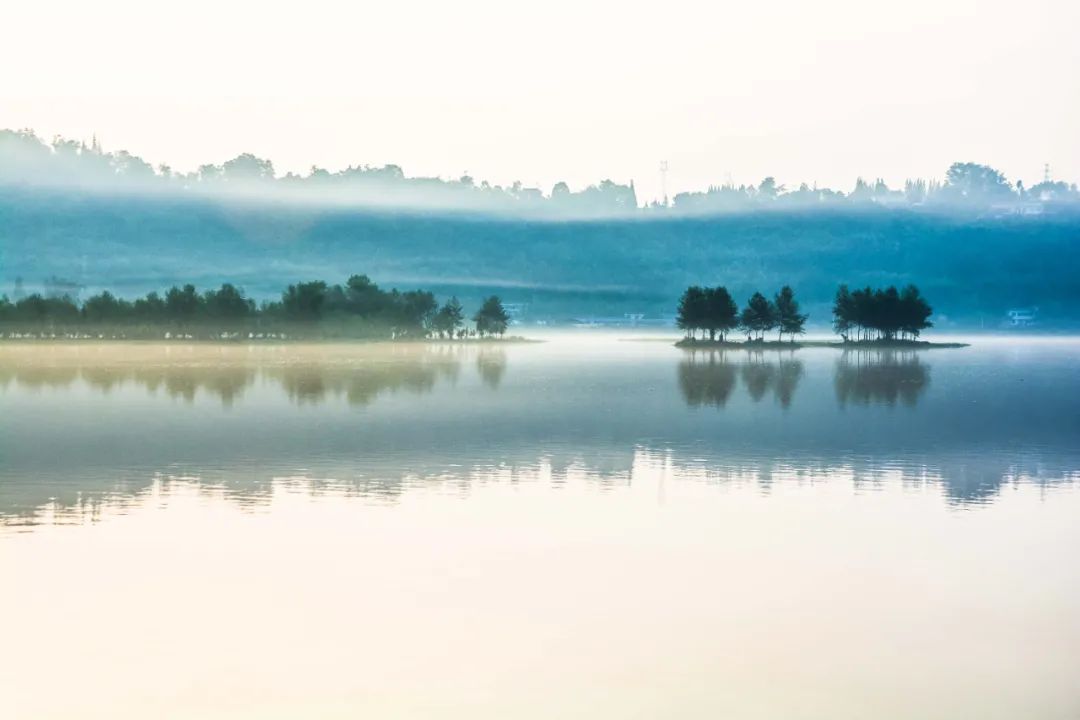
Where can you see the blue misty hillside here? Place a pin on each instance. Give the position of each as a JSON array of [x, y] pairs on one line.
[[977, 245]]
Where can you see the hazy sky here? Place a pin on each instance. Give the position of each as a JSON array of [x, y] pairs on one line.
[[807, 91]]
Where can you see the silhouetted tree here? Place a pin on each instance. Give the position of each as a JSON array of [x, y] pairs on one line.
[[182, 305], [693, 309], [788, 317], [972, 182], [758, 317], [227, 304], [843, 312], [449, 318], [882, 313], [491, 318], [721, 313], [105, 308], [304, 301]]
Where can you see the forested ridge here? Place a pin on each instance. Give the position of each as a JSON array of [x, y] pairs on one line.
[[973, 266]]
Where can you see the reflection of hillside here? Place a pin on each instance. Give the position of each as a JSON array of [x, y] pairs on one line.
[[709, 378], [960, 481], [880, 376]]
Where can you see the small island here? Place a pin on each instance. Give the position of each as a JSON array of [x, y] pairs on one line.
[[356, 310], [863, 318]]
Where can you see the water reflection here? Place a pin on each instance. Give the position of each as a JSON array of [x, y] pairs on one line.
[[313, 384], [880, 376], [960, 482], [491, 364], [85, 424], [304, 380], [709, 377], [706, 379]]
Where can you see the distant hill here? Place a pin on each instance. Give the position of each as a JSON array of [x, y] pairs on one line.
[[971, 268]]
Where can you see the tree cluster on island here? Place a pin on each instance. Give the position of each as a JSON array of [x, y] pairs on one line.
[[881, 314], [862, 315], [356, 309], [712, 310]]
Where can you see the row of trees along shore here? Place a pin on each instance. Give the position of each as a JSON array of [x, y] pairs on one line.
[[712, 310], [357, 309], [859, 315]]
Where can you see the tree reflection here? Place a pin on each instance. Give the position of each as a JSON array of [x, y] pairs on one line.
[[709, 378], [307, 381], [359, 385], [789, 373], [706, 379], [757, 375], [491, 364], [880, 376]]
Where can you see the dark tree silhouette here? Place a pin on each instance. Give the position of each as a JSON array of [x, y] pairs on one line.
[[721, 313], [357, 309], [881, 314], [788, 317], [448, 319], [491, 318], [758, 317], [693, 308]]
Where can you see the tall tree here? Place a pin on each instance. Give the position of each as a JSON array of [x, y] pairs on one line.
[[304, 301], [843, 312], [788, 317], [693, 309], [227, 303], [449, 318], [491, 318], [182, 304], [758, 317], [973, 182], [915, 312], [721, 313]]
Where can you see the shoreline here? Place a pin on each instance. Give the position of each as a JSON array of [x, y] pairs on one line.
[[264, 341], [691, 344]]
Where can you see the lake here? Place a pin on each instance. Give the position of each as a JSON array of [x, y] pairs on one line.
[[588, 527]]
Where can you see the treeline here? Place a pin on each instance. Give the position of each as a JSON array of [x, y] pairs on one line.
[[881, 314], [966, 185], [26, 159], [712, 310], [358, 308]]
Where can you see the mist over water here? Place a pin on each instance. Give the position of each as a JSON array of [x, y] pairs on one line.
[[90, 423], [452, 530]]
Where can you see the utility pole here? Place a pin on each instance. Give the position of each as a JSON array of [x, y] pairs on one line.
[[663, 180]]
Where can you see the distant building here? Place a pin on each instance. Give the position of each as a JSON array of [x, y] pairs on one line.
[[516, 311], [1021, 317], [627, 320], [1024, 207]]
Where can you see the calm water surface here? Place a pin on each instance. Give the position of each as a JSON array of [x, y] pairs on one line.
[[582, 528]]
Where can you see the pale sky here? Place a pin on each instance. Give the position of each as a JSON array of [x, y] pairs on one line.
[[820, 91]]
